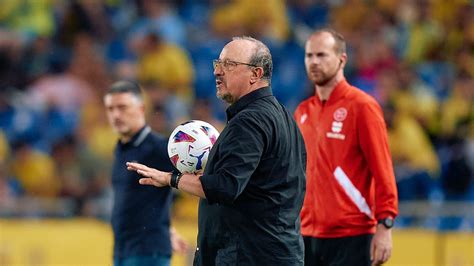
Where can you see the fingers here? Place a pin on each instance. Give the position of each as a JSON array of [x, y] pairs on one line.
[[386, 255], [136, 166], [148, 181], [144, 174], [377, 258], [140, 169], [374, 252], [380, 256], [151, 182], [150, 176]]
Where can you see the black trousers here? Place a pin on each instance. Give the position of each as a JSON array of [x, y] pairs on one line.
[[343, 251]]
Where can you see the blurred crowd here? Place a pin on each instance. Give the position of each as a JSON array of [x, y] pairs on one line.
[[58, 57]]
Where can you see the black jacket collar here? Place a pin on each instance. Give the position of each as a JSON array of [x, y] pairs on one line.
[[245, 100]]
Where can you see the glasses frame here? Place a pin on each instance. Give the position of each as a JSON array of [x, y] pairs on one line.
[[225, 63]]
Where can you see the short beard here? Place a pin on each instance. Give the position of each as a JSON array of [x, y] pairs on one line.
[[323, 82], [326, 79], [226, 98]]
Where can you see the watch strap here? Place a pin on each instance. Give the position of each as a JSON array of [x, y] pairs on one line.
[[174, 180]]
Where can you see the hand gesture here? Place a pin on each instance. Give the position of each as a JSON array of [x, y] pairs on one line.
[[150, 175]]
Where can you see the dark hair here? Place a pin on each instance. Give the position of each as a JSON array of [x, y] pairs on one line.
[[124, 86], [261, 57], [340, 45]]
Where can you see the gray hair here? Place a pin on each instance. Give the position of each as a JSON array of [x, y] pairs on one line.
[[261, 57]]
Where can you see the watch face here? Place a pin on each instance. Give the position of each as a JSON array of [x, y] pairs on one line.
[[388, 222]]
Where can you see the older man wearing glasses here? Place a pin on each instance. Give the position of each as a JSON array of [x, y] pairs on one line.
[[253, 186]]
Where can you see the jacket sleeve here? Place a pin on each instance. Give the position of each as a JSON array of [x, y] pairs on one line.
[[373, 139], [239, 156]]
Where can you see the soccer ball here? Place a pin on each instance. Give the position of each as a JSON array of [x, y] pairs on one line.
[[189, 145]]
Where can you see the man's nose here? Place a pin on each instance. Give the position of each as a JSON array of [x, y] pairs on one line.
[[115, 113], [218, 70], [314, 60]]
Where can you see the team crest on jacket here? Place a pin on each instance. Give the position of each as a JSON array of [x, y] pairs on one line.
[[336, 126], [340, 114]]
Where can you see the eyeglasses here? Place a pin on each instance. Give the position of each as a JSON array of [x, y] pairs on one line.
[[228, 64]]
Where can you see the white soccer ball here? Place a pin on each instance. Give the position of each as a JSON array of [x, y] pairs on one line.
[[189, 145]]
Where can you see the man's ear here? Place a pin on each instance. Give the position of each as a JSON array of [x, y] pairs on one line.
[[343, 60], [143, 107], [257, 74]]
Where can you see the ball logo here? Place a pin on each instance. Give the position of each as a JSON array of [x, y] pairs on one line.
[[340, 114], [183, 137], [199, 159]]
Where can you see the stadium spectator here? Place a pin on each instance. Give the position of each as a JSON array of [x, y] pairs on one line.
[[30, 19], [268, 20], [351, 199], [253, 186], [9, 187], [423, 31], [77, 17], [80, 180], [85, 52], [416, 164], [202, 110], [457, 124], [141, 215], [59, 88], [160, 18], [167, 111], [416, 98], [35, 171], [167, 64]]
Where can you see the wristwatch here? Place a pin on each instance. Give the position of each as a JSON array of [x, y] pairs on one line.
[[387, 222], [174, 180]]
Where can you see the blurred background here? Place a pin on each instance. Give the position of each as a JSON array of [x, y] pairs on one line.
[[57, 58]]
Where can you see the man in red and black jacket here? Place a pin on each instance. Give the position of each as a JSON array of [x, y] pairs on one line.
[[351, 199]]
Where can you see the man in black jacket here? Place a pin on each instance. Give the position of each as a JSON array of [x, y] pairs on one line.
[[254, 183]]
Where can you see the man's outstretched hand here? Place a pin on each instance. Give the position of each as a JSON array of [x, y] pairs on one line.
[[151, 176]]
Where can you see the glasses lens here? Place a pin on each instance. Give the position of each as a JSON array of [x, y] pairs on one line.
[[216, 63]]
